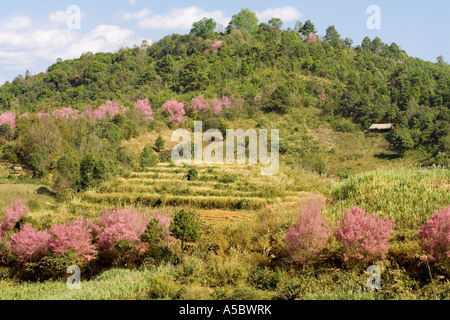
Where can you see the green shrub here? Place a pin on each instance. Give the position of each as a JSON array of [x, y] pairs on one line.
[[192, 174], [265, 278]]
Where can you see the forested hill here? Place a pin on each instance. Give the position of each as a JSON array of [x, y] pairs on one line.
[[272, 69]]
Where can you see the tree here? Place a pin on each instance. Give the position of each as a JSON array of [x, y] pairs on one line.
[[203, 27], [67, 172], [440, 59], [148, 158], [276, 23], [6, 131], [281, 99], [92, 171], [245, 20], [36, 163], [366, 44], [402, 141], [308, 28], [332, 35], [376, 46], [186, 226], [160, 144]]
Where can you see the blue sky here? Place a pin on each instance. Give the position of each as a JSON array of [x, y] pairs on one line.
[[33, 34]]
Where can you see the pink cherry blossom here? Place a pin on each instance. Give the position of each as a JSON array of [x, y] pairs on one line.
[[8, 118], [216, 46], [75, 235], [176, 111], [30, 244], [145, 109]]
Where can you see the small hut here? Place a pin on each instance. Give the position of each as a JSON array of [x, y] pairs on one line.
[[382, 128], [18, 170]]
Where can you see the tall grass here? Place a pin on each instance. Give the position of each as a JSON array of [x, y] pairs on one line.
[[408, 195]]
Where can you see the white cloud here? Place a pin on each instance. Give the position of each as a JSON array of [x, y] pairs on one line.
[[144, 13], [175, 18], [104, 38], [286, 14], [132, 2], [59, 17], [33, 49], [16, 23]]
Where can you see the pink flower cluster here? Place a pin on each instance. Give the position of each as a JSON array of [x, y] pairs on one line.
[[82, 236], [435, 235], [64, 113], [75, 235], [107, 110], [322, 96], [217, 45], [200, 104], [13, 215], [121, 225], [176, 111], [365, 237], [30, 244], [8, 118], [309, 237], [312, 38], [145, 109]]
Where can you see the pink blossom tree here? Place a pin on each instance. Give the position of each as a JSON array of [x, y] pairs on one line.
[[226, 102], [42, 114], [312, 38], [75, 235], [365, 237], [200, 104], [107, 110], [176, 111], [216, 106], [435, 235], [8, 118], [145, 109], [30, 244], [66, 113], [322, 96], [14, 213], [216, 46], [309, 237], [121, 225]]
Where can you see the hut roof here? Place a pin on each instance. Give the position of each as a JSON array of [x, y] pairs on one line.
[[383, 126]]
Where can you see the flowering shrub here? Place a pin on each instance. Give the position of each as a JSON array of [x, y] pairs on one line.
[[215, 105], [107, 110], [435, 235], [30, 244], [121, 225], [66, 114], [8, 118], [13, 215], [309, 237], [145, 109], [76, 236], [216, 46], [322, 96], [312, 37], [176, 110], [365, 237], [200, 104]]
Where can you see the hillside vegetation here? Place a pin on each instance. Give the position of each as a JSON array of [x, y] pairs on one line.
[[99, 189]]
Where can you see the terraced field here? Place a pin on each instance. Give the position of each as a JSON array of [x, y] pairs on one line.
[[221, 194]]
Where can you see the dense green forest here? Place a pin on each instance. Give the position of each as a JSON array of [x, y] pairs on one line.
[[263, 68]]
